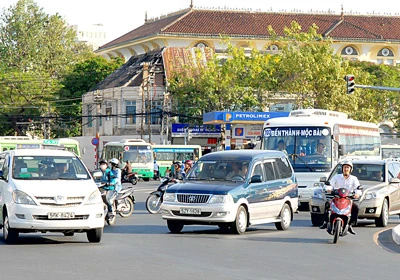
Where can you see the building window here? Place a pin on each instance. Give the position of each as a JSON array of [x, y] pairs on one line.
[[349, 51], [130, 108], [201, 45], [385, 52], [155, 112], [108, 111]]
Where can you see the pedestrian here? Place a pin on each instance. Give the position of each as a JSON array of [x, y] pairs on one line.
[[156, 170]]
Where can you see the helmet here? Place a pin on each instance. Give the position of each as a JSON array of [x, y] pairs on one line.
[[114, 161], [349, 163], [190, 162], [102, 161]]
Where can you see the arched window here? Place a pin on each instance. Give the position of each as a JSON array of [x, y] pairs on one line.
[[385, 52], [201, 45], [349, 50]]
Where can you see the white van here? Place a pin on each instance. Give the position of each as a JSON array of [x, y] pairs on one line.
[[48, 191]]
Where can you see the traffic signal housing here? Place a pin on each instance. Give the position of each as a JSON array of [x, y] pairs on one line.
[[350, 83]]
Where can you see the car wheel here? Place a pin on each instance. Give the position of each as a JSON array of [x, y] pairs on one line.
[[317, 219], [174, 226], [94, 235], [382, 221], [239, 226], [286, 218], [10, 235]]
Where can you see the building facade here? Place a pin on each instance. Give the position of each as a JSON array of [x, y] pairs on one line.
[[132, 100]]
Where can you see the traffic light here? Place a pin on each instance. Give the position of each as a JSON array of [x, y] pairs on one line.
[[350, 83]]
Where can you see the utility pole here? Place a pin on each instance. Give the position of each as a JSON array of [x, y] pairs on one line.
[[144, 88], [98, 99]]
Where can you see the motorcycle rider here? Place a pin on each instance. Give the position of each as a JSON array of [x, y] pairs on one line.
[[127, 168], [112, 179], [350, 182]]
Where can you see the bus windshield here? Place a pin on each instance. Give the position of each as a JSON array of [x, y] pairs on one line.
[[308, 148], [137, 154]]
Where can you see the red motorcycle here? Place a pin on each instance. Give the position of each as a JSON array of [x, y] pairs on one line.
[[339, 213]]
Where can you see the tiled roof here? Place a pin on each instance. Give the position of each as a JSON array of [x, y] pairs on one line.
[[244, 24], [131, 73]]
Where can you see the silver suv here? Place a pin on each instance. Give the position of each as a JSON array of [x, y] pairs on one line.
[[381, 194]]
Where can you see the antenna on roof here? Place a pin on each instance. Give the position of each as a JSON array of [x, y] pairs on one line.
[[342, 14], [145, 16], [191, 4]]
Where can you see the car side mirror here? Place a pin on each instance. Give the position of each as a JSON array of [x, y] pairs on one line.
[[1, 174], [341, 150], [256, 179], [97, 174]]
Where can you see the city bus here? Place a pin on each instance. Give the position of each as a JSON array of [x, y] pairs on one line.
[[165, 155], [316, 140], [25, 142], [137, 151]]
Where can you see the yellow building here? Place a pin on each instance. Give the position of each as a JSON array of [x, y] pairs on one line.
[[357, 37]]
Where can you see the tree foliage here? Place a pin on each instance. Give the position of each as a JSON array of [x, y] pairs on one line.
[[36, 50], [305, 67], [81, 79]]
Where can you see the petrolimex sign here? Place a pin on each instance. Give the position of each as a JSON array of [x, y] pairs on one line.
[[252, 117]]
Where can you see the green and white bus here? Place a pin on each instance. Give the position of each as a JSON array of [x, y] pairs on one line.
[[24, 142], [137, 151], [166, 154]]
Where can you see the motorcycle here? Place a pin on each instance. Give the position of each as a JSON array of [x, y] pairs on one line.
[[129, 178], [154, 200], [123, 204], [340, 213]]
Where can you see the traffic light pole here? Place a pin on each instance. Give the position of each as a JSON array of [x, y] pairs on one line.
[[377, 87]]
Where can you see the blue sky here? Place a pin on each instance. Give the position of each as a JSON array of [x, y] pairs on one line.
[[122, 16]]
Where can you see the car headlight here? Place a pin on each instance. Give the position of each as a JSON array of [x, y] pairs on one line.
[[20, 197], [318, 193], [221, 199], [94, 198], [169, 197], [371, 195]]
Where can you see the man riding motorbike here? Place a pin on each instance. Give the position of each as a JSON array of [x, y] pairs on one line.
[[350, 182]]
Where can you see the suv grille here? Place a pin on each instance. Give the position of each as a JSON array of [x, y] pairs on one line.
[[193, 198]]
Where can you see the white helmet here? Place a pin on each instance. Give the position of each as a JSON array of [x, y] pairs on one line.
[[114, 161], [349, 163]]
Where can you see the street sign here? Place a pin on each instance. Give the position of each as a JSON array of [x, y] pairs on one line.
[[95, 141], [126, 148]]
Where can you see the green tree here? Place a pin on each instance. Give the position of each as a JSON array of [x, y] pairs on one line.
[[81, 79], [36, 49]]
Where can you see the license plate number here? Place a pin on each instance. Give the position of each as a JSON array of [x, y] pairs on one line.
[[61, 215], [190, 211]]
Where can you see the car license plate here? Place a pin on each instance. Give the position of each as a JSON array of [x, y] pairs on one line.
[[61, 215], [190, 211]]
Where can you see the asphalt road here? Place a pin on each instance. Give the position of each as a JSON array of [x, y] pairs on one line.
[[141, 247]]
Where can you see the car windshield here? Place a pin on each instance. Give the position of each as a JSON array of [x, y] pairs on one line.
[[364, 172], [48, 168], [219, 170]]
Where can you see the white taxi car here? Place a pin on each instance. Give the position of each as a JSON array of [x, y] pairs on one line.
[[48, 191]]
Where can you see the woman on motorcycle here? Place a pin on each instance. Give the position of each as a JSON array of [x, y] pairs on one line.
[[112, 180]]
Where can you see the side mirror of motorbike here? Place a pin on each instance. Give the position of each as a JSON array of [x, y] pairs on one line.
[[322, 179], [360, 188], [327, 183]]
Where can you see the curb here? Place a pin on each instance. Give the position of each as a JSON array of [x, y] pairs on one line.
[[396, 234]]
